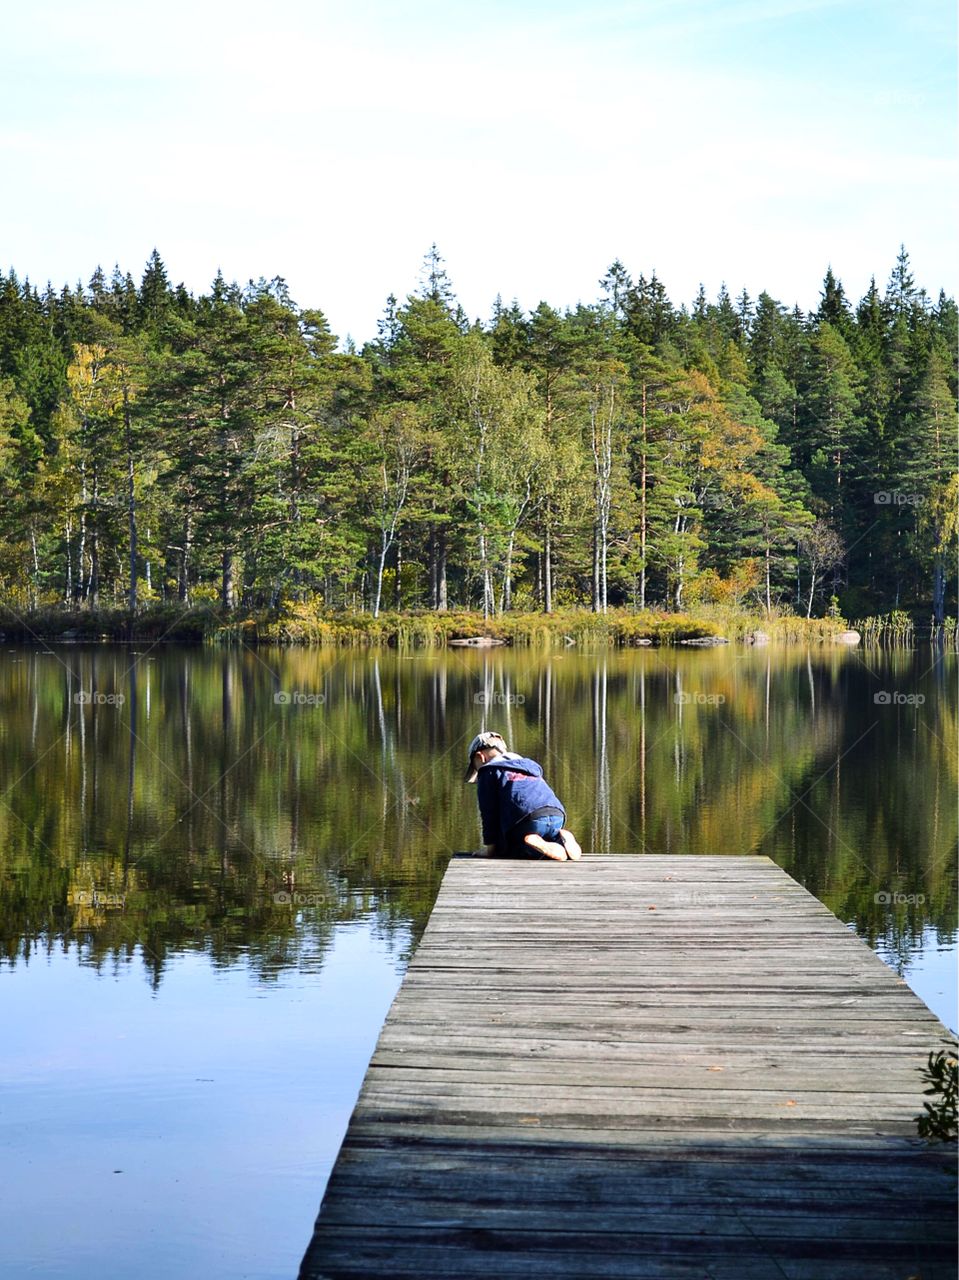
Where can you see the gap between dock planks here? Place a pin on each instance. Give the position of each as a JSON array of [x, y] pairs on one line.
[[641, 1066]]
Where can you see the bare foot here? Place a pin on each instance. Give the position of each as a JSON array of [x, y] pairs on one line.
[[555, 851], [571, 845]]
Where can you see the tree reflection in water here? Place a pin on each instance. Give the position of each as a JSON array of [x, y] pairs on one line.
[[238, 802]]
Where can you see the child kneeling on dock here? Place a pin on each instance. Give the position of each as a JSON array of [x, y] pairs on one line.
[[522, 816]]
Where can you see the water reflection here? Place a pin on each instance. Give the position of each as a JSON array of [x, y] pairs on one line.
[[187, 1133], [243, 803]]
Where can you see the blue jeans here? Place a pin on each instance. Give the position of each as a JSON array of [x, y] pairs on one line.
[[548, 826]]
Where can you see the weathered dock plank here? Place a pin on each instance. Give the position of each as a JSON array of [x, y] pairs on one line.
[[641, 1067]]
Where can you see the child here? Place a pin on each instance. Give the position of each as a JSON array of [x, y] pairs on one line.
[[522, 816]]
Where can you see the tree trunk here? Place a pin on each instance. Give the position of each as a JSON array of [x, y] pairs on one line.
[[227, 591], [442, 596], [938, 589], [35, 593], [227, 588], [595, 568], [398, 588], [642, 508], [247, 586], [603, 558], [678, 528], [68, 593], [82, 547], [296, 516], [548, 570], [506, 599], [488, 603], [183, 574], [812, 588], [601, 426], [131, 501], [380, 566], [93, 584]]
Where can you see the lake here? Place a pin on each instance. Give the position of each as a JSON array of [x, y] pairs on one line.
[[215, 864]]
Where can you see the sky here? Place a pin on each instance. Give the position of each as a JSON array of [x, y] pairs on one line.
[[751, 142]]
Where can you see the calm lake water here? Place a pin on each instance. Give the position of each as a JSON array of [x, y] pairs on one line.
[[214, 866]]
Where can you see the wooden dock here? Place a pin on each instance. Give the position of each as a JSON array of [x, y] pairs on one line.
[[641, 1066]]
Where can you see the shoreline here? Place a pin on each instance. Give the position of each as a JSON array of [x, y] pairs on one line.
[[304, 625]]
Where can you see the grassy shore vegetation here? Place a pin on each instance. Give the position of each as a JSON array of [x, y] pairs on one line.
[[308, 624], [643, 461]]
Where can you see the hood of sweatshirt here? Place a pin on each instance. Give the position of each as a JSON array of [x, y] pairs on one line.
[[515, 764]]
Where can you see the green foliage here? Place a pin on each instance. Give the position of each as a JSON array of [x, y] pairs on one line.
[[157, 447], [893, 629], [939, 1121], [170, 623]]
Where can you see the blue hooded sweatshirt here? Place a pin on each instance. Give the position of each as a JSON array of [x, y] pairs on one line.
[[510, 788]]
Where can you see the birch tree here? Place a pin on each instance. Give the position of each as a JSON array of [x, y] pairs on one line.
[[390, 447], [603, 409], [105, 380], [503, 456], [823, 550]]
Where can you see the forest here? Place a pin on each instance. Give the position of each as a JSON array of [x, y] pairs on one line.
[[162, 448]]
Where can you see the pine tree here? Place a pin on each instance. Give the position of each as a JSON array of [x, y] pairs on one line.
[[18, 458], [155, 299], [833, 429], [509, 333], [437, 288], [554, 350], [928, 470], [648, 314], [901, 290], [616, 287], [833, 307]]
